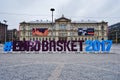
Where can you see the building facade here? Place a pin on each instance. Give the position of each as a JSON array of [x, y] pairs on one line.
[[63, 28], [114, 33], [3, 32], [12, 35]]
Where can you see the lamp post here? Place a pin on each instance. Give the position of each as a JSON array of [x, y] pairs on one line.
[[52, 9], [102, 28]]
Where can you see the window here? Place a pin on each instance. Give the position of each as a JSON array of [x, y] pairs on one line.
[[75, 38], [82, 39], [33, 39], [49, 38], [102, 27], [63, 34], [71, 34], [30, 34], [92, 39], [40, 39], [23, 39], [62, 26], [36, 39]]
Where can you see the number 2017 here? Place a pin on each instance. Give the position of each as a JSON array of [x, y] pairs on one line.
[[104, 45]]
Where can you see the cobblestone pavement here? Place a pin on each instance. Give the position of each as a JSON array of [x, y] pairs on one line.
[[60, 66], [17, 66]]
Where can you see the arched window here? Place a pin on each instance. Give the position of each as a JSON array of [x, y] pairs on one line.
[[49, 38], [36, 39], [82, 38], [40, 39], [102, 27], [76, 39], [33, 39], [23, 39], [102, 39], [46, 38]]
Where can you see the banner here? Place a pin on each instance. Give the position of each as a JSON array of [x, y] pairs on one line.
[[86, 31], [40, 31]]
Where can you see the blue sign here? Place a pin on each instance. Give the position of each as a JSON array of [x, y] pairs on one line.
[[104, 45], [8, 46]]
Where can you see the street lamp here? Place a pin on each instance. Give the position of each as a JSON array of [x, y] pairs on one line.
[[52, 9], [102, 28]]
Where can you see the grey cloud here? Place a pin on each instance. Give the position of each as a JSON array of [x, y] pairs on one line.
[[73, 9]]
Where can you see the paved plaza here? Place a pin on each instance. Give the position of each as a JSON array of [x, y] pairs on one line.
[[60, 66]]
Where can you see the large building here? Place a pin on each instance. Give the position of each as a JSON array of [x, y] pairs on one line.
[[3, 32], [114, 32], [12, 35], [63, 28]]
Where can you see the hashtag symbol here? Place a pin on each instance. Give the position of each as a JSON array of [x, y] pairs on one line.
[[7, 46]]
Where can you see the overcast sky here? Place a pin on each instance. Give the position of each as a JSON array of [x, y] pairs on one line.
[[16, 11]]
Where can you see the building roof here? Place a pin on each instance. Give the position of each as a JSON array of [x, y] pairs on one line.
[[88, 21], [63, 18], [3, 24], [115, 25], [37, 21]]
